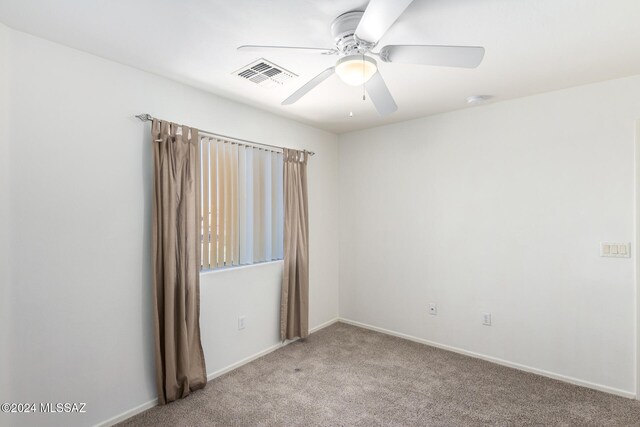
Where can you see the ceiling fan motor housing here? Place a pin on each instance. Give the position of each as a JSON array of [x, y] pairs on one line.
[[343, 29]]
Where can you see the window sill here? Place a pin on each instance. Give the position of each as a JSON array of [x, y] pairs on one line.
[[238, 267]]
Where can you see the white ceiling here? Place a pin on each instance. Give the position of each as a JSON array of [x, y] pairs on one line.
[[531, 46]]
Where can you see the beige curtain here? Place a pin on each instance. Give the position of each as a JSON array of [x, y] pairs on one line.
[[294, 304], [180, 366]]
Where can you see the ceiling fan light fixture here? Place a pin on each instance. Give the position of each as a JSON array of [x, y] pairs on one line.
[[355, 70]]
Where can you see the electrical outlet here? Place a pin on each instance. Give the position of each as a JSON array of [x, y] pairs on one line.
[[433, 309], [486, 319], [241, 322]]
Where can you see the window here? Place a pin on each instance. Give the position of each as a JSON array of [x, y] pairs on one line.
[[242, 204]]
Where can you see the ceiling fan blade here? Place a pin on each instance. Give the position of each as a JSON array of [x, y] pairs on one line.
[[378, 17], [380, 95], [446, 56], [286, 49], [308, 86]]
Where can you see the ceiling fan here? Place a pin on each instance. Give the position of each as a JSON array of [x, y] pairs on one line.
[[356, 33]]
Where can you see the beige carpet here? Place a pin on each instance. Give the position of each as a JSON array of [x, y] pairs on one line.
[[348, 376]]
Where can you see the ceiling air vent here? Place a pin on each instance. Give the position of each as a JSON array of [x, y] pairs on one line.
[[265, 73]]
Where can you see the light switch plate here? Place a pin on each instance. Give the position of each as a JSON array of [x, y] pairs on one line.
[[615, 250], [241, 322], [486, 319]]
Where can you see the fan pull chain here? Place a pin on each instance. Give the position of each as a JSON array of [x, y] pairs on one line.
[[363, 82]]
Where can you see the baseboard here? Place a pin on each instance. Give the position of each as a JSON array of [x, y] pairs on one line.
[[244, 361], [264, 352], [324, 325], [148, 405], [496, 360], [128, 414]]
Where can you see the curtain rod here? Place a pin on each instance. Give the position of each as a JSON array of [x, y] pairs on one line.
[[148, 117]]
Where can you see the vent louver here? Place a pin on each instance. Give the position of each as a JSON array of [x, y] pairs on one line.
[[265, 73]]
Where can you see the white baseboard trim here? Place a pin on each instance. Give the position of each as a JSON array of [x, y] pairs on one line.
[[128, 414], [150, 404], [496, 360], [244, 361], [264, 352], [324, 325]]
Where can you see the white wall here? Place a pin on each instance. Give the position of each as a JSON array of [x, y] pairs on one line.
[[500, 209], [636, 256], [5, 307], [80, 241]]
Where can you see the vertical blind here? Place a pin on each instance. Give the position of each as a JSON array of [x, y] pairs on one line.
[[242, 204]]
